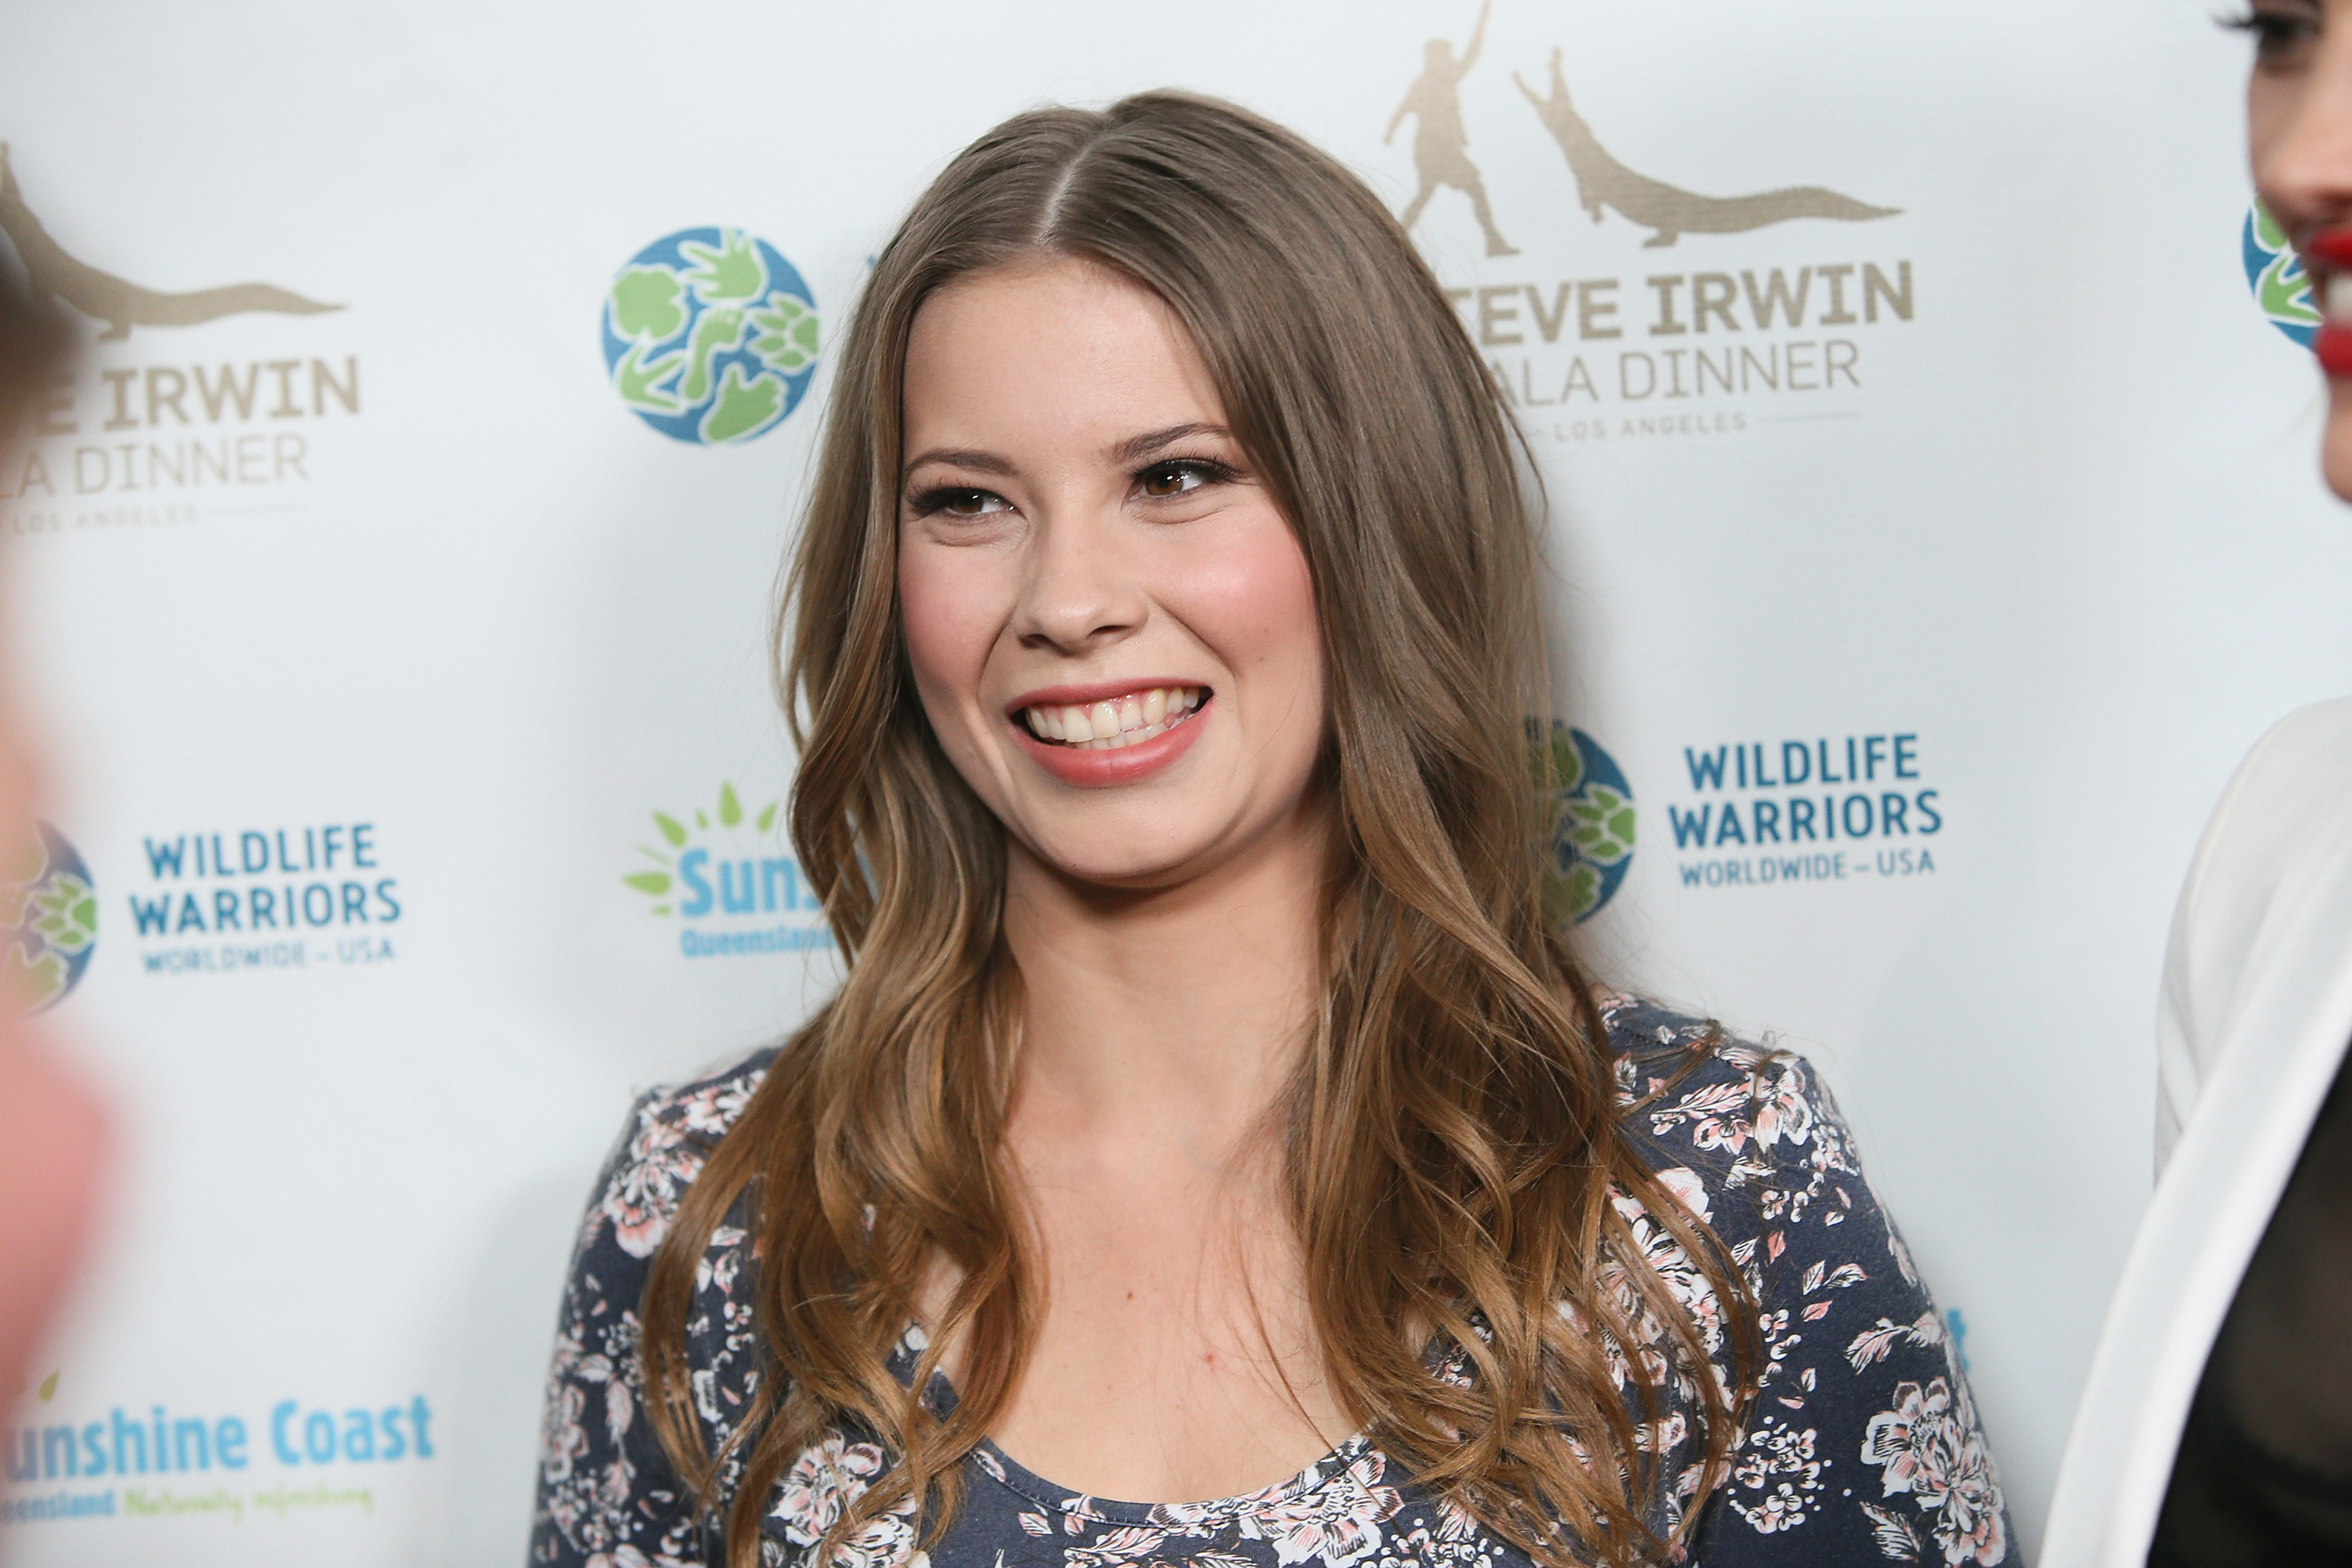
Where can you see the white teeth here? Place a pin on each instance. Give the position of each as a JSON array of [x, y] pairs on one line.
[[1121, 721], [2340, 297]]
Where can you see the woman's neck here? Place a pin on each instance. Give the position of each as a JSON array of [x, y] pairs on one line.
[[1180, 1007], [1175, 1354]]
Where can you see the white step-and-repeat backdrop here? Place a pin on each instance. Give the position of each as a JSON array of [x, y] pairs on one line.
[[1934, 517]]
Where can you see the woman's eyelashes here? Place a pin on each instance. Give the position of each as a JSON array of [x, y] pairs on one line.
[[1170, 478], [1173, 477], [2282, 32], [956, 500]]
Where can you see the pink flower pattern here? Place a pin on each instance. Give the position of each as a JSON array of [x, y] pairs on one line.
[[1858, 1368], [1930, 1446]]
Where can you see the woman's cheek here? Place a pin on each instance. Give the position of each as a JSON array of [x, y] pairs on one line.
[[949, 630], [1254, 586]]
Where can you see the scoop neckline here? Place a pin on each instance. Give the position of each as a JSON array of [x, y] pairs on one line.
[[1018, 1478]]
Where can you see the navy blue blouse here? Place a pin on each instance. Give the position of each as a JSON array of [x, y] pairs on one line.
[[1864, 1447]]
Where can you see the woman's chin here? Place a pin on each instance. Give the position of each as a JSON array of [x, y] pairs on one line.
[[1123, 869], [1114, 858]]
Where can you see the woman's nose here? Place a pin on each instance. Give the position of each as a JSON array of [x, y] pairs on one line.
[[1082, 590]]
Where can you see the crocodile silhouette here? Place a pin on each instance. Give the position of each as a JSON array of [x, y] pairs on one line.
[[1669, 211], [119, 303]]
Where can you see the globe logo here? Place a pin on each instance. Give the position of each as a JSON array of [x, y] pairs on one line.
[[50, 911], [1592, 823], [710, 336], [2282, 288]]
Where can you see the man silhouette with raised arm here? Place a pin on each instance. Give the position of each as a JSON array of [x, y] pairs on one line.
[[1440, 145]]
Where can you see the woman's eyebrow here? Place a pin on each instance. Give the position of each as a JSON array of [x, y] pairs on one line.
[[984, 462], [1136, 448]]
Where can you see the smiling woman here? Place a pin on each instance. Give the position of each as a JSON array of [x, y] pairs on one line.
[[1210, 1112], [1084, 545]]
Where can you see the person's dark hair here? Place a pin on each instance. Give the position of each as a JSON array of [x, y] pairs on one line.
[[1452, 1145]]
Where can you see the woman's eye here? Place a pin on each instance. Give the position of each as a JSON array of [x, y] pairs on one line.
[[2280, 34], [958, 500], [1165, 480]]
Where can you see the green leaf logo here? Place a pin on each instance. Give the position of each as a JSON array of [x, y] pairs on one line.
[[710, 336], [660, 885], [2275, 271], [1593, 820]]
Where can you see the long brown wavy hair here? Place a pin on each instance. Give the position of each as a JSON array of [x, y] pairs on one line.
[[1450, 1140]]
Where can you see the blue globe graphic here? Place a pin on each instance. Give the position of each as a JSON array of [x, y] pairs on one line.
[[2274, 272], [710, 335], [51, 913], [1593, 823]]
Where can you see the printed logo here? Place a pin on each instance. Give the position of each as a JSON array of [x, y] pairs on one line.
[[130, 1463], [1592, 825], [121, 304], [157, 443], [315, 896], [1818, 810], [710, 335], [726, 884], [1649, 353], [2281, 288], [51, 913], [1441, 157]]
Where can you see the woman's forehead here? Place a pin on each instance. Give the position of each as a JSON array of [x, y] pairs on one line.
[[1065, 352]]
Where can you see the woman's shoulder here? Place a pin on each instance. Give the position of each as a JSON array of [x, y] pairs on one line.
[[2290, 782], [1689, 1080], [2317, 736], [2278, 829], [669, 1133], [1863, 1430], [1719, 1115], [606, 1491]]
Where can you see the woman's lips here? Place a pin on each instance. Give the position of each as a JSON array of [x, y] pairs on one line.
[[2327, 255], [2333, 345], [1088, 768]]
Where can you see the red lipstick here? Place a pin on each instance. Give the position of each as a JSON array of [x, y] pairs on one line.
[[2333, 345], [2329, 248], [2326, 252]]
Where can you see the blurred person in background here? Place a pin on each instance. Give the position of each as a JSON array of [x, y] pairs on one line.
[[51, 1133], [2216, 1428]]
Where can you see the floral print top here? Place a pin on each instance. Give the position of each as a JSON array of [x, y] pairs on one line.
[[1862, 1449]]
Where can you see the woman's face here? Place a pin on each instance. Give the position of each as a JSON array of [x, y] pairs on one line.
[[2299, 122], [1110, 623]]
